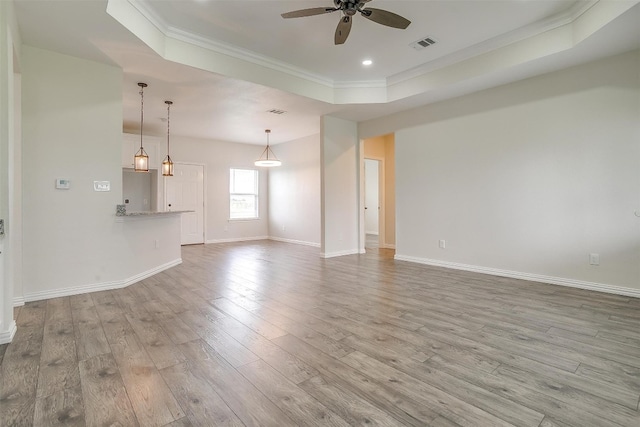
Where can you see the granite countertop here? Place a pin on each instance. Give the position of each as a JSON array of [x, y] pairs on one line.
[[152, 213]]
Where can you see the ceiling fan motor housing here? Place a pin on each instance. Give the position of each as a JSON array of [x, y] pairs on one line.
[[349, 8]]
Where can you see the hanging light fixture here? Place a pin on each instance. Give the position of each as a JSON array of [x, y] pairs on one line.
[[167, 164], [267, 158], [141, 159]]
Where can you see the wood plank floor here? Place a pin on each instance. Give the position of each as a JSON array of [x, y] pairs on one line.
[[269, 334]]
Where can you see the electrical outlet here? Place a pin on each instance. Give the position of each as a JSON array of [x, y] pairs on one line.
[[594, 259], [284, 228], [157, 243], [442, 244]]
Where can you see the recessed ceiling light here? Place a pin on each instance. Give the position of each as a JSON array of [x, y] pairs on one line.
[[367, 62]]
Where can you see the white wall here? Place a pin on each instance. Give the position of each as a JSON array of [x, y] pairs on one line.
[[9, 151], [15, 194], [218, 157], [529, 178], [290, 194], [72, 128], [340, 174], [294, 192]]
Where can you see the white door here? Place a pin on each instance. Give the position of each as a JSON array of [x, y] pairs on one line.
[[371, 196], [185, 192]]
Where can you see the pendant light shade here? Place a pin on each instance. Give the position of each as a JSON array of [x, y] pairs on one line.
[[141, 159], [167, 164], [267, 158]]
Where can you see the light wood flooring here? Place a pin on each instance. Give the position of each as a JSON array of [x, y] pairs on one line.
[[269, 334]]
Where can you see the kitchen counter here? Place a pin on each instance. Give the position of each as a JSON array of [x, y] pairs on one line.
[[120, 215], [152, 213]]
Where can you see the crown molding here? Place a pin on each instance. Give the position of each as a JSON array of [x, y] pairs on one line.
[[146, 9], [150, 14], [494, 43], [246, 55], [169, 31], [535, 41]]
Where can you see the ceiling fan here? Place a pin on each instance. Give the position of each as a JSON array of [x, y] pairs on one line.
[[349, 8]]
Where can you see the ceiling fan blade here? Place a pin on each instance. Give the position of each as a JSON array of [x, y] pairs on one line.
[[309, 12], [343, 29], [385, 17]]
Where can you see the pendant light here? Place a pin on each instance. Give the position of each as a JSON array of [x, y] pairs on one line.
[[167, 164], [141, 159], [267, 158]]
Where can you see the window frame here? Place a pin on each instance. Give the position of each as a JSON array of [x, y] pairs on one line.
[[256, 194]]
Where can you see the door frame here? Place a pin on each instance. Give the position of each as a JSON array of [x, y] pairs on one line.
[[204, 193], [381, 200]]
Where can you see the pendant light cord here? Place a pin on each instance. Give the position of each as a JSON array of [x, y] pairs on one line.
[[141, 111], [168, 121]]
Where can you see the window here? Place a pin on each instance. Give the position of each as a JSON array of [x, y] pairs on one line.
[[243, 194]]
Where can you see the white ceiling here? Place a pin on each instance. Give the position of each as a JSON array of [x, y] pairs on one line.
[[307, 43], [243, 59]]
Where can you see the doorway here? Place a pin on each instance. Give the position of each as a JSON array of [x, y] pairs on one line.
[[139, 190], [372, 186], [377, 194], [185, 192]]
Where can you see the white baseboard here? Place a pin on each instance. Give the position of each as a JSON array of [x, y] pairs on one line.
[[573, 283], [7, 337], [374, 233], [94, 287], [295, 242], [237, 239], [339, 253], [18, 301], [149, 273]]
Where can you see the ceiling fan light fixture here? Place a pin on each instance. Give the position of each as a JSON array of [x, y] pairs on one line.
[[267, 158], [349, 9], [141, 158]]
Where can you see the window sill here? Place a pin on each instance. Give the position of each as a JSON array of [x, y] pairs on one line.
[[242, 219]]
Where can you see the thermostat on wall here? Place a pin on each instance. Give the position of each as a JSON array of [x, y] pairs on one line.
[[101, 186], [63, 184]]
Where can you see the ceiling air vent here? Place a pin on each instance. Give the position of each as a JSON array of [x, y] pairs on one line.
[[275, 111], [423, 43]]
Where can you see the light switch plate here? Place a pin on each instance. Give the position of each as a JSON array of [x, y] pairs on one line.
[[101, 185]]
